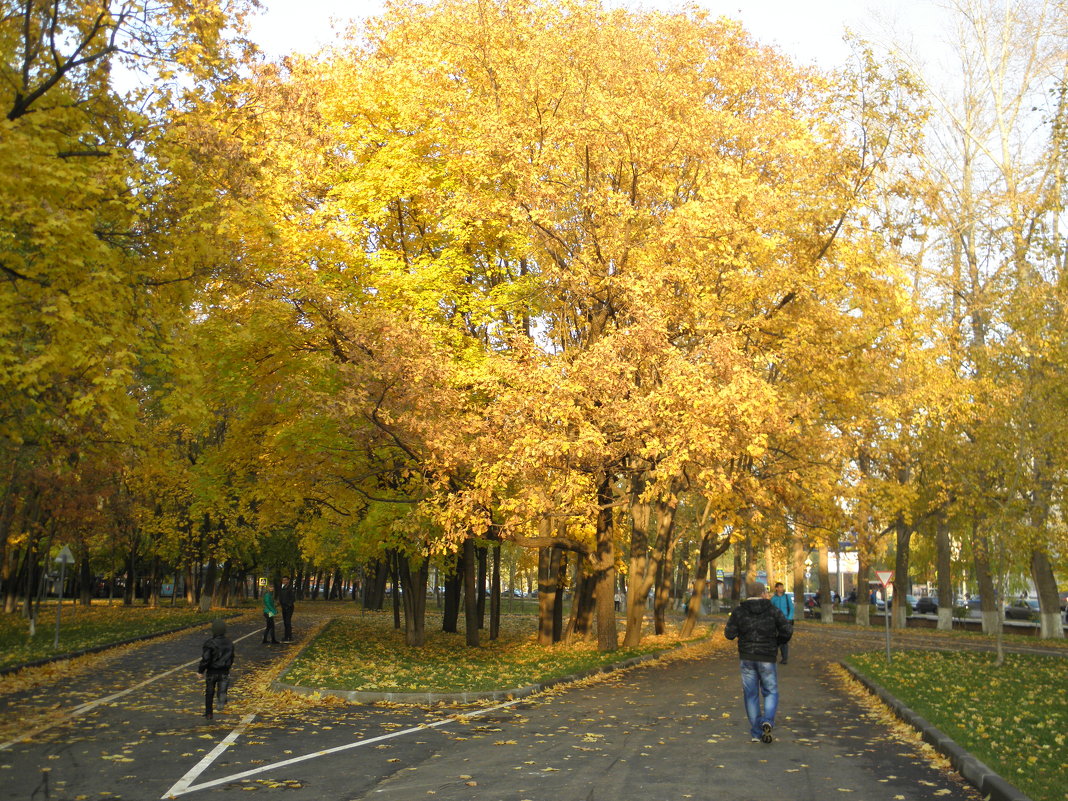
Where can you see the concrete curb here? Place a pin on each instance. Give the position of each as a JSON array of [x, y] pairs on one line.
[[983, 778], [422, 698]]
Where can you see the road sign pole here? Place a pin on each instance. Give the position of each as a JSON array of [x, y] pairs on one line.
[[886, 619], [886, 577]]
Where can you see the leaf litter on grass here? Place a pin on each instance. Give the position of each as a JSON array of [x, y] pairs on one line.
[[364, 653], [1013, 717]]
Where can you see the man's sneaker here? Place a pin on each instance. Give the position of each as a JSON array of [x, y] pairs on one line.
[[754, 739], [766, 736]]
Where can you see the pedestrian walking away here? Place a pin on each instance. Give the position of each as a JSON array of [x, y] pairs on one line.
[[781, 601], [759, 628], [270, 612], [216, 659], [287, 598]]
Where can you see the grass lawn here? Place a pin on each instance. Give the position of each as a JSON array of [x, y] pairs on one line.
[[87, 627], [1014, 717], [364, 652]]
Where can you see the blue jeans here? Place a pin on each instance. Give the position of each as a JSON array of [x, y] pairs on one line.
[[760, 679]]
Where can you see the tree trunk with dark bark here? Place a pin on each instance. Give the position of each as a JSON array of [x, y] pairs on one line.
[[470, 593]]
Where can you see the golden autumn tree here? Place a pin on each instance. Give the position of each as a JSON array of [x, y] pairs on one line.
[[98, 256], [557, 257]]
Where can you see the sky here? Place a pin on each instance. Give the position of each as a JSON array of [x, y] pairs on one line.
[[807, 30]]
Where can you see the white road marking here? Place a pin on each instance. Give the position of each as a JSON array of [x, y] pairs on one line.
[[174, 792], [88, 706], [202, 765]]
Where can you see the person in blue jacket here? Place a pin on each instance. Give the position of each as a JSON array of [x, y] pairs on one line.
[[781, 601]]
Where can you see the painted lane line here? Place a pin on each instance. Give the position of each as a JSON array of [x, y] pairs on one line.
[[336, 749], [88, 706], [202, 765]]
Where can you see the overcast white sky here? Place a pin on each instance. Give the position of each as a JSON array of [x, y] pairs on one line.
[[808, 30]]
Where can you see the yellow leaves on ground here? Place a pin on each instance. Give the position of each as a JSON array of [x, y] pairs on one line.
[[1009, 716], [365, 653]]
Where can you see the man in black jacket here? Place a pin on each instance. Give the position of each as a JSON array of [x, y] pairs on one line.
[[217, 657], [288, 599], [759, 628]]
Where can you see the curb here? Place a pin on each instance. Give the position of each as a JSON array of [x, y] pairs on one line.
[[983, 778], [421, 698], [7, 671]]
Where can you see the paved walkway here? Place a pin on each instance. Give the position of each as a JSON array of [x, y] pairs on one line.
[[669, 729]]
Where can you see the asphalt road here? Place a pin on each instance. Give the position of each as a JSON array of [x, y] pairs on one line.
[[132, 728]]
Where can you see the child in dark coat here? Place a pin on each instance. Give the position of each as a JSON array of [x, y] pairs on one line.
[[215, 663]]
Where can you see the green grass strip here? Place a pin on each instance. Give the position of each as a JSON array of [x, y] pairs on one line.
[[83, 628], [365, 653], [1013, 717]]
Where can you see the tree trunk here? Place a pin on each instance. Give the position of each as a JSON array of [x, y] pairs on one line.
[[988, 595], [799, 575], [413, 594], [483, 574], [662, 591], [558, 605], [153, 578], [826, 603], [902, 584], [470, 593], [604, 570], [706, 562], [583, 605], [224, 585], [1050, 625], [495, 593], [450, 616], [863, 613], [944, 575], [394, 583], [748, 564], [546, 591], [640, 567], [207, 592], [738, 578], [131, 573], [85, 578], [374, 592], [645, 561]]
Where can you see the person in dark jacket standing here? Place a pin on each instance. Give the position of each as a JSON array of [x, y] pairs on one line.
[[216, 659], [759, 628], [287, 599]]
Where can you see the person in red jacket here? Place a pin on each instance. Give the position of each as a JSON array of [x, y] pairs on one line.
[[759, 628]]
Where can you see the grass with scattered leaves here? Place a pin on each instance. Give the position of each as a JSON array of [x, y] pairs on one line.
[[365, 653], [1013, 717], [84, 627]]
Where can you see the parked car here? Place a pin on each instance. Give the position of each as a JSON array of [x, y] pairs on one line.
[[926, 605], [909, 599], [1021, 609]]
